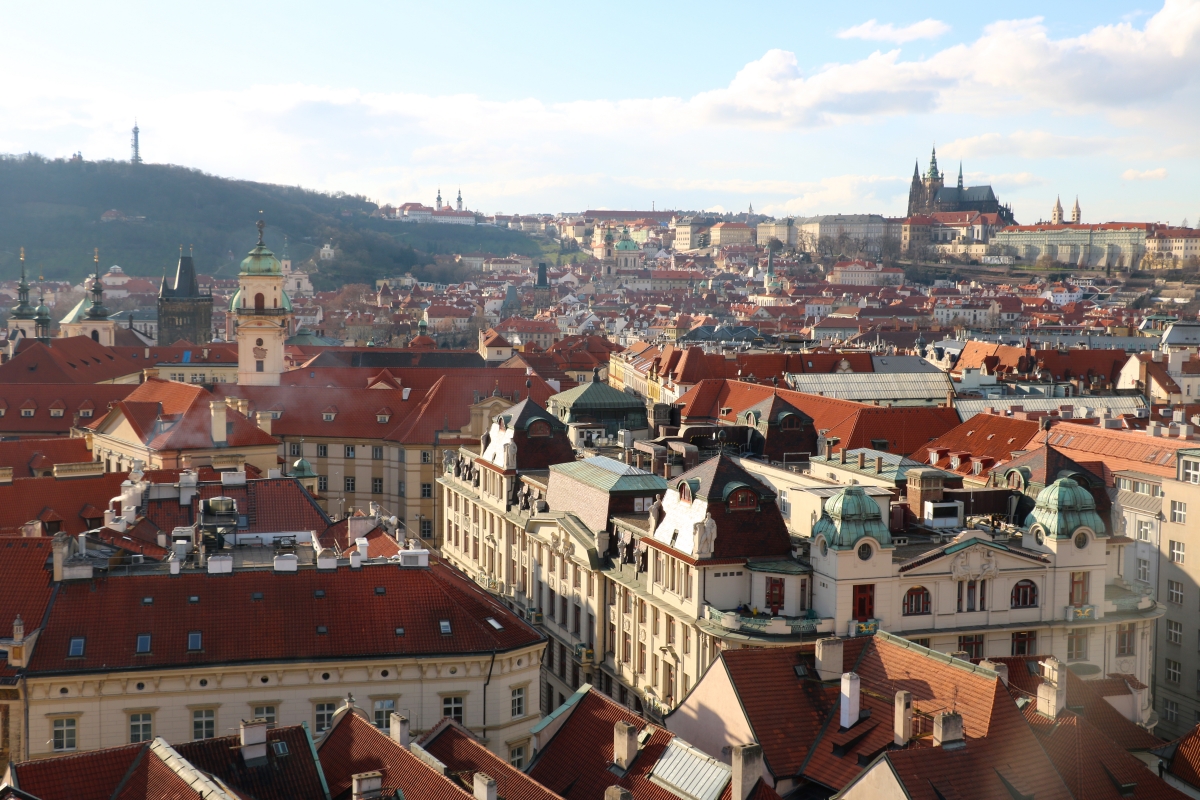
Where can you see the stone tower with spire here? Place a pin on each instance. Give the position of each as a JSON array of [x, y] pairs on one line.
[[929, 194], [20, 318], [438, 204], [93, 321], [184, 312], [264, 315], [458, 203], [1056, 213], [1076, 214]]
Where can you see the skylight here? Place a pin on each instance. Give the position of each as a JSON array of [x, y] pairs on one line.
[[147, 601], [143, 643], [319, 594], [322, 630], [492, 621], [399, 631], [195, 640], [256, 595], [444, 625], [280, 748], [76, 647], [195, 598]]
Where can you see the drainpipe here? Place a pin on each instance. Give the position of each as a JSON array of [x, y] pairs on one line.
[[485, 685]]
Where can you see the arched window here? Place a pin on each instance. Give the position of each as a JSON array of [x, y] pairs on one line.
[[1024, 595], [917, 601], [789, 423], [539, 428], [743, 498], [260, 302], [95, 336]]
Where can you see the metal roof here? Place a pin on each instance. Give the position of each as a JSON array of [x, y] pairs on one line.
[[867, 386], [1117, 404], [594, 395], [611, 475], [690, 773]]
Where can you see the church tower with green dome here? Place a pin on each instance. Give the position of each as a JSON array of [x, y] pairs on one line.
[[20, 318], [264, 315], [851, 554]]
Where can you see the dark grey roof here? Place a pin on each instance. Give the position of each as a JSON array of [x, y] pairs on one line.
[[971, 194], [185, 284]]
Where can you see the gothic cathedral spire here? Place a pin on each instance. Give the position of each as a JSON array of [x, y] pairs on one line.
[[960, 184]]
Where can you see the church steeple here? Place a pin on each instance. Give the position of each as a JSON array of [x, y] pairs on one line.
[[23, 310], [1076, 214], [438, 205], [1056, 214], [960, 186], [97, 311], [933, 166], [916, 171], [458, 203]]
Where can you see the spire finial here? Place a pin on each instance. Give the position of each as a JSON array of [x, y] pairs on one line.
[[260, 225], [190, 250], [181, 251]]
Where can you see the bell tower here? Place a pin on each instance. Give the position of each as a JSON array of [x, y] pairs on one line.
[[20, 319], [264, 314]]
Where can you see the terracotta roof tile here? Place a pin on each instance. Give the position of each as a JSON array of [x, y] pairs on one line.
[[85, 776], [463, 754], [296, 775]]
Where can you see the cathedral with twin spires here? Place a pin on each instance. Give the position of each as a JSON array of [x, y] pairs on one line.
[[929, 194]]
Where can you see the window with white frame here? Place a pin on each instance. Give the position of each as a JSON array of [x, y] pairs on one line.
[[1143, 570], [204, 723], [1170, 710], [1177, 552], [266, 713], [1175, 592], [1174, 671], [452, 707], [1178, 512], [140, 727], [1190, 471], [1145, 528], [64, 734], [323, 716], [383, 713], [516, 756], [518, 702], [1174, 632]]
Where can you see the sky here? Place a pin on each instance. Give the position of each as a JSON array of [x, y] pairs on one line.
[[796, 108]]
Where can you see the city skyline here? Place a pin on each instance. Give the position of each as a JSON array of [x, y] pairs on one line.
[[823, 112]]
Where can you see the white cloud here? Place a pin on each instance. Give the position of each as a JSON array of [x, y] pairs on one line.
[[1144, 175], [1030, 144], [886, 32]]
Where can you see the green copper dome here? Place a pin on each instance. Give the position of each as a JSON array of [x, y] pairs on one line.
[[849, 516], [627, 243], [1064, 507], [302, 469], [261, 261], [235, 302]]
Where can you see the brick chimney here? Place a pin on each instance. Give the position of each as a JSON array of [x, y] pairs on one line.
[[217, 409], [747, 769], [625, 745], [903, 724], [948, 730]]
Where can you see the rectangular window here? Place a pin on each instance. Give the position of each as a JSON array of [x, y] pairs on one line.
[[426, 456], [1144, 528], [1126, 639], [76, 647], [1177, 552], [452, 707], [1178, 512], [1024, 643], [322, 483], [204, 723], [383, 713], [265, 713], [516, 756], [426, 529], [324, 716], [972, 645], [376, 485], [1174, 671], [322, 451], [64, 734], [971, 595], [864, 602], [1170, 710], [1079, 589], [349, 484], [426, 490], [1191, 471], [518, 702], [1174, 632], [1077, 639], [377, 452], [195, 641], [1143, 570], [400, 489], [139, 728], [641, 662], [625, 647], [143, 643], [349, 451], [641, 605], [294, 449], [1175, 592]]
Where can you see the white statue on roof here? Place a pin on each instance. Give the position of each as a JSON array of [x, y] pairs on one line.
[[706, 536]]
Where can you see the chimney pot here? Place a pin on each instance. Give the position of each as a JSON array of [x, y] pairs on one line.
[[625, 745], [878, 465], [948, 730], [217, 410], [485, 787], [829, 658], [747, 769], [1052, 693], [851, 699], [862, 460], [398, 729], [263, 420], [617, 793], [366, 785], [843, 455], [903, 718], [998, 668]]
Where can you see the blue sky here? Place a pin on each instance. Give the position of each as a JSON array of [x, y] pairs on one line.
[[796, 107]]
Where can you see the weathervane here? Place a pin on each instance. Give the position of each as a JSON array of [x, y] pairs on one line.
[[260, 224]]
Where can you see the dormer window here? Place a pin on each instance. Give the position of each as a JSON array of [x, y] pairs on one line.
[[328, 416], [539, 428], [382, 418], [26, 412], [743, 499], [55, 412], [83, 412], [685, 493]]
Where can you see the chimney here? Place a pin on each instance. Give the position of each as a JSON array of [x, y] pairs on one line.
[[485, 787], [747, 769], [829, 658], [1001, 669], [59, 554], [83, 544], [828, 450], [18, 630], [1052, 693], [625, 744], [878, 465], [366, 785], [903, 729], [362, 544], [862, 460], [851, 700], [617, 793], [398, 729], [253, 741], [843, 455], [263, 420], [948, 730], [217, 407]]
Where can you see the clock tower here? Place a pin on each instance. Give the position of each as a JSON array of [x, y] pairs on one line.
[[264, 314]]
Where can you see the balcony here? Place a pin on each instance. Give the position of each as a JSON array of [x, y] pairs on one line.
[[767, 625], [1078, 613]]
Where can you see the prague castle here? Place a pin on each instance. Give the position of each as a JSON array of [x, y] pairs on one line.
[[929, 194]]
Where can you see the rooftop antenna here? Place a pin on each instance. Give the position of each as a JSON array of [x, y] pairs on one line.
[[136, 158]]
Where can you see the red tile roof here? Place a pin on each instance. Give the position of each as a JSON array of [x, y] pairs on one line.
[[76, 359], [25, 582], [358, 621], [380, 543], [354, 745], [76, 398], [1185, 760], [296, 775], [989, 439], [464, 755], [24, 455], [64, 499], [85, 776], [575, 762]]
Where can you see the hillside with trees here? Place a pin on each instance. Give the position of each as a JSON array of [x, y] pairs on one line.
[[140, 214]]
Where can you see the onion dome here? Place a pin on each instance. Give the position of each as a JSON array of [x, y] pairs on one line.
[[851, 515], [1062, 508]]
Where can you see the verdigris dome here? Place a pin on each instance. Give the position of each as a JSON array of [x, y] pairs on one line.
[[1064, 507], [302, 469], [261, 261], [849, 516]]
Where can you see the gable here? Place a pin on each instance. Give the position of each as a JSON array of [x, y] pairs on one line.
[[694, 721]]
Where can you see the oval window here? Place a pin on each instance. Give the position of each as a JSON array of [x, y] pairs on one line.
[[824, 548], [1081, 540], [864, 552]]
